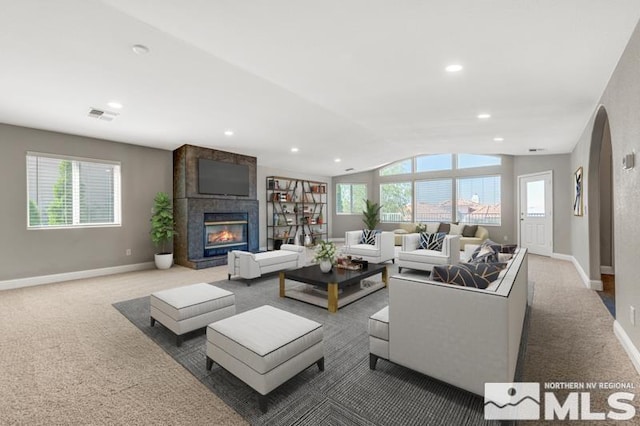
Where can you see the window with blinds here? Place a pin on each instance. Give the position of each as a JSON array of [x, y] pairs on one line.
[[479, 200], [433, 200], [71, 192]]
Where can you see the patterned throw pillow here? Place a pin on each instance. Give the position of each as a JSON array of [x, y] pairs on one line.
[[368, 236], [487, 252], [432, 241], [478, 275]]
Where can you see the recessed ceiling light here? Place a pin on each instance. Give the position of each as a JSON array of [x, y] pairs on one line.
[[453, 68], [484, 115], [337, 160], [114, 104], [228, 132], [294, 149], [498, 139], [140, 49]]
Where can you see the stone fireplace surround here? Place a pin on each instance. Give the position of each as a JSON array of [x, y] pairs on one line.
[[190, 207]]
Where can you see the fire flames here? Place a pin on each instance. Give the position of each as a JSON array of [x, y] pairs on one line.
[[221, 237]]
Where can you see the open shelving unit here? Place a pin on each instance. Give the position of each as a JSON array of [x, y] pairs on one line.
[[296, 211]]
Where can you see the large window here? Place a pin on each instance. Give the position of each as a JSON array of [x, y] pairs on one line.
[[467, 161], [71, 192], [479, 200], [396, 201], [433, 200], [432, 163], [398, 168], [350, 198]]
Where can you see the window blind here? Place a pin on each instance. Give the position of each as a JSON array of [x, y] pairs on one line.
[[71, 192], [433, 200]]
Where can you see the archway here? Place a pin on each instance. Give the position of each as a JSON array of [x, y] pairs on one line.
[[600, 208]]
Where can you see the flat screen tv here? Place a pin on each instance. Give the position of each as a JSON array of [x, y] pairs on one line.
[[216, 177]]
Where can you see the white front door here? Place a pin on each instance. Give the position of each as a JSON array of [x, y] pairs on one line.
[[536, 213]]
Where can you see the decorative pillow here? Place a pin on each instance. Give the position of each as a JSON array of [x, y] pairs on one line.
[[469, 230], [368, 236], [421, 227], [455, 229], [432, 241], [444, 227], [487, 252], [478, 275], [508, 248]]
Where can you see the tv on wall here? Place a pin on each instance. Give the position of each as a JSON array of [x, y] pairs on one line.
[[219, 178]]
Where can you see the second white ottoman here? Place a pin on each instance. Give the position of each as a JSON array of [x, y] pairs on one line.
[[188, 308], [265, 347]]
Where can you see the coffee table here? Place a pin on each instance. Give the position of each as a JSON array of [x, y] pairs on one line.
[[333, 281]]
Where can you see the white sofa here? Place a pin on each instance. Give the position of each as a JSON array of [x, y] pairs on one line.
[[460, 335], [407, 228], [381, 251], [252, 265], [413, 257]]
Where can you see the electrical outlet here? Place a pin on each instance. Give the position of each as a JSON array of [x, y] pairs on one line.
[[128, 252], [506, 238], [632, 315]]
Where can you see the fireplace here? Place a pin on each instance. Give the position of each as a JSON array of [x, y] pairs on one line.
[[224, 232]]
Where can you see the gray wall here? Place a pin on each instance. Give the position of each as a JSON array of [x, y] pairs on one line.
[[562, 192], [621, 99], [506, 232], [350, 222], [24, 253]]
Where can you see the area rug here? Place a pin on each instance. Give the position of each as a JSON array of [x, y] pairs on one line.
[[347, 392]]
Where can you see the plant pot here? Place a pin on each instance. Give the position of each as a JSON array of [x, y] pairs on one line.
[[325, 265], [163, 260]]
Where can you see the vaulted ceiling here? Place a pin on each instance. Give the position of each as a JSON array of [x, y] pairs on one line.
[[359, 80]]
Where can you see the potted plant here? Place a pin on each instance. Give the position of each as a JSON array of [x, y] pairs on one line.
[[162, 229], [325, 255], [371, 214]]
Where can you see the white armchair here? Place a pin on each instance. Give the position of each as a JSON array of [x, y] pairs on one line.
[[412, 256], [381, 251]]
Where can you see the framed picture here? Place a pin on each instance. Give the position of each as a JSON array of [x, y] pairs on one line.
[[578, 209]]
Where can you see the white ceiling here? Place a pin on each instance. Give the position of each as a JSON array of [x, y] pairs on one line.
[[362, 80]]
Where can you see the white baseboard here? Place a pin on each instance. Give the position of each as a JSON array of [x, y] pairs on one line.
[[627, 344], [77, 275], [562, 256], [589, 283], [607, 270]]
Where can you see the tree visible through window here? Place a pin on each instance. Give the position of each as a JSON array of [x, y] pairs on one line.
[[398, 168], [64, 191], [350, 198], [396, 201]]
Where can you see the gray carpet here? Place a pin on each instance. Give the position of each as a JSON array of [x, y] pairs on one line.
[[346, 393]]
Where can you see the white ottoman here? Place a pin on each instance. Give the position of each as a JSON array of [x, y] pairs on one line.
[[265, 347], [188, 308]]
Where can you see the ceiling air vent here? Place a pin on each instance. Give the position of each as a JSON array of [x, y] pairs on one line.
[[102, 115], [350, 169], [536, 149]]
